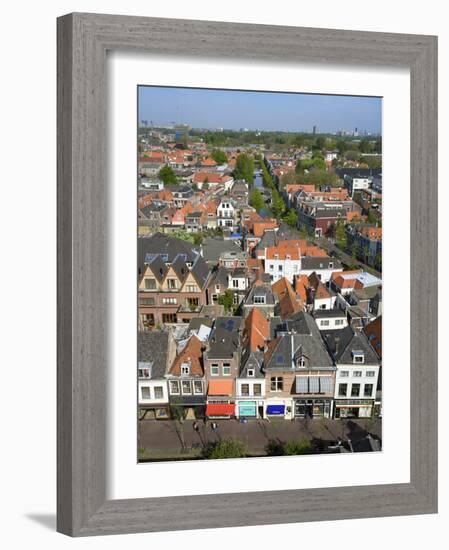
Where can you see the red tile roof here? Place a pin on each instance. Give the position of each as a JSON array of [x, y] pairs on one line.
[[192, 354], [257, 329]]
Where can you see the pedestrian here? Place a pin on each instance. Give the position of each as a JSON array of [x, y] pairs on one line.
[[214, 426], [195, 426]]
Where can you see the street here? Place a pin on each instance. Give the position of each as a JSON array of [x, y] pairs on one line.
[[170, 439]]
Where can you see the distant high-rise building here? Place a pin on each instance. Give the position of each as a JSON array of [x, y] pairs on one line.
[[314, 130]]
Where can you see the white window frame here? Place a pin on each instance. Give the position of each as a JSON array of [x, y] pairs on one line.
[[144, 388], [185, 369], [214, 366], [170, 387], [182, 387], [195, 382]]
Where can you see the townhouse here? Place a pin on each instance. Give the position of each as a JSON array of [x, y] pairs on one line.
[[155, 353], [186, 381], [299, 372], [357, 372], [221, 365], [171, 292]]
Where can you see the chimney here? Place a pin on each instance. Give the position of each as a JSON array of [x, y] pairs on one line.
[[337, 344]]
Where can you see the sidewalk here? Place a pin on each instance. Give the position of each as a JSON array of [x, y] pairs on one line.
[[171, 439]]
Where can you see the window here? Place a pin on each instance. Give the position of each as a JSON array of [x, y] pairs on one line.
[[245, 389], [192, 288], [146, 392], [172, 283], [158, 392], [259, 299], [214, 298], [174, 386], [344, 373], [355, 390], [186, 386], [339, 322], [343, 390], [250, 373], [146, 301], [226, 369], [192, 303], [331, 265], [169, 301], [358, 357], [301, 362], [185, 368], [271, 267], [370, 373], [257, 389], [144, 373], [277, 383], [235, 283], [198, 387], [324, 323], [214, 369], [150, 284], [368, 390], [169, 317], [357, 373], [280, 267]]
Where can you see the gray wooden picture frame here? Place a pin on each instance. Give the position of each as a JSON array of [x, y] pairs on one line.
[[83, 40]]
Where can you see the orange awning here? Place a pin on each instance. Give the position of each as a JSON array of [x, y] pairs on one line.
[[220, 387]]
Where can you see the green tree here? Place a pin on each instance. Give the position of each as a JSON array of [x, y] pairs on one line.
[[321, 177], [364, 146], [256, 199], [167, 175], [244, 168], [299, 447], [342, 147], [184, 236], [226, 448], [277, 204], [303, 231], [219, 156], [227, 300], [340, 234], [291, 218], [320, 142]]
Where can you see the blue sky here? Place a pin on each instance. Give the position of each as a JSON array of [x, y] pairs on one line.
[[203, 108]]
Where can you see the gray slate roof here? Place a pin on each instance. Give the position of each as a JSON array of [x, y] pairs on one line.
[[212, 248], [224, 339], [170, 247], [251, 360], [152, 347], [312, 262], [341, 344], [200, 270], [308, 344], [260, 290]]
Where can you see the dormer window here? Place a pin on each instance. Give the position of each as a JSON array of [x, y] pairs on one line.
[[185, 368], [301, 361], [358, 356], [251, 373]]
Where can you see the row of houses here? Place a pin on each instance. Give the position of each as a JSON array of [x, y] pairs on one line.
[[260, 368]]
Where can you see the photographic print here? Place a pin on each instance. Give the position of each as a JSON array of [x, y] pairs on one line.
[[259, 249]]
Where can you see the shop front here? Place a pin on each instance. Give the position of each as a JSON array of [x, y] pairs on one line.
[[354, 408], [313, 408], [220, 410], [279, 408], [249, 408], [187, 407]]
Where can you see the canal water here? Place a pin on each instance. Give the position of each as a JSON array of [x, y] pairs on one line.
[[258, 182]]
